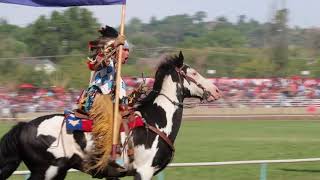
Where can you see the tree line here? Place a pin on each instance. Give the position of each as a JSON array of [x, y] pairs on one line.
[[245, 48]]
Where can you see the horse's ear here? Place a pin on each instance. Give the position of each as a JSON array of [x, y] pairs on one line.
[[180, 60]]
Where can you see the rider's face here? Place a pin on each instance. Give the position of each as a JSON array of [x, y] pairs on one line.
[[125, 55]]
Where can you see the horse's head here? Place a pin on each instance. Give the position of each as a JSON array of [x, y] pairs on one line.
[[194, 84]]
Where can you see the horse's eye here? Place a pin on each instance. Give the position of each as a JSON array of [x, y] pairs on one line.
[[194, 74]]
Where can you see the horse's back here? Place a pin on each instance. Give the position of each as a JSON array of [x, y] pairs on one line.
[[51, 119], [51, 133], [39, 134], [47, 144]]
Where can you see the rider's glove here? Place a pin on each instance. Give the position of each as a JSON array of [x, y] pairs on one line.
[[120, 40]]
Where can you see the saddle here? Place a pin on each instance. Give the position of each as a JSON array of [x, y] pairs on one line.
[[80, 121], [77, 121]]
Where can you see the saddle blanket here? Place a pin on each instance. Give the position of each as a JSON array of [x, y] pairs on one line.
[[74, 123]]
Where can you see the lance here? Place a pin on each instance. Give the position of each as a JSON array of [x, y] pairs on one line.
[[116, 120]]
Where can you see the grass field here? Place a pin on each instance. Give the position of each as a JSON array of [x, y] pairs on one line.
[[204, 141]]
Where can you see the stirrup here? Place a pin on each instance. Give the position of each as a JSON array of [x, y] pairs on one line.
[[116, 165], [116, 170], [112, 170]]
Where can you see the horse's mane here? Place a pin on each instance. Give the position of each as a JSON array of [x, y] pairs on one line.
[[166, 67]]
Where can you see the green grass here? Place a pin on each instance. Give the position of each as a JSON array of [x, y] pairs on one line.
[[248, 140], [204, 141]]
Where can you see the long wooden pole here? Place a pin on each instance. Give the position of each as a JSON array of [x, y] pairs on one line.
[[116, 120]]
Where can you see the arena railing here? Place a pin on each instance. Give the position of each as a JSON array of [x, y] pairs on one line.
[[263, 166], [241, 102]]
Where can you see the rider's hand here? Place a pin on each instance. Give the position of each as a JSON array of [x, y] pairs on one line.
[[120, 40]]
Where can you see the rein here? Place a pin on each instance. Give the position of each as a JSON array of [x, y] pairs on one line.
[[206, 93], [161, 134], [179, 104]]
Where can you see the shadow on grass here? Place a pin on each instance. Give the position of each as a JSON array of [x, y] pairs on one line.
[[301, 170]]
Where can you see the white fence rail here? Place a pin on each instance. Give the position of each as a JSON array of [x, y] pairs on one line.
[[243, 162], [263, 170], [252, 102]]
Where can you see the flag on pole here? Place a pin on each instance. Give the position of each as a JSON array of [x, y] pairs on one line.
[[63, 3]]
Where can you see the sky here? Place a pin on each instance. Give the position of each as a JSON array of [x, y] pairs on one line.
[[303, 13]]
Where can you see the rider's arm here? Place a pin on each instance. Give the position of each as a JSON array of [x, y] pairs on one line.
[[90, 65], [98, 63]]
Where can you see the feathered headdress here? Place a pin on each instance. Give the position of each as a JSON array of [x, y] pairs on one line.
[[108, 32]]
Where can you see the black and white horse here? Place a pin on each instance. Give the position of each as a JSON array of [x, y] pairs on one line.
[[48, 151]]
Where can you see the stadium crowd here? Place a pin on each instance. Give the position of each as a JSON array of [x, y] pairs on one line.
[[269, 92], [237, 92]]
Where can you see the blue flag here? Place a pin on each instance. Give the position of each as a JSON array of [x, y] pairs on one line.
[[63, 3]]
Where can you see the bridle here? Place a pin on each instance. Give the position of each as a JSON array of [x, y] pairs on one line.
[[182, 75], [206, 93]]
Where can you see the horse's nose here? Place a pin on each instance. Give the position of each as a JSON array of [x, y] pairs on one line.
[[214, 95], [217, 94]]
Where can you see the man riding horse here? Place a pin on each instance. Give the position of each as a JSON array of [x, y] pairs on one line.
[[49, 150], [102, 64], [95, 104]]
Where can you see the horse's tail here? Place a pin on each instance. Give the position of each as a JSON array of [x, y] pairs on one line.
[[9, 151]]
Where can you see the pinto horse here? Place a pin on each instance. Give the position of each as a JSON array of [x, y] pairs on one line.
[[49, 151]]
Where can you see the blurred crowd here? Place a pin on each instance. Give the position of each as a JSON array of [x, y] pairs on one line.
[[276, 92], [294, 91], [25, 100]]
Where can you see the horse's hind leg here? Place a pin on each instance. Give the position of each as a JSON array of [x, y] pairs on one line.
[[144, 173], [8, 169], [137, 176], [61, 175], [48, 174], [36, 176]]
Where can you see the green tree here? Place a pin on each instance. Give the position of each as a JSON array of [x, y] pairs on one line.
[[242, 19], [312, 42], [315, 69], [278, 42], [10, 45], [134, 25], [199, 16], [225, 37], [29, 75], [219, 37], [173, 29], [16, 73], [74, 69], [62, 33], [257, 67]]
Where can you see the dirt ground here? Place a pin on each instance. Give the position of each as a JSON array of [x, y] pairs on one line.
[[252, 113]]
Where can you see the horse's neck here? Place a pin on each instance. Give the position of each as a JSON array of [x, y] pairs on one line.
[[169, 89], [173, 113]]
